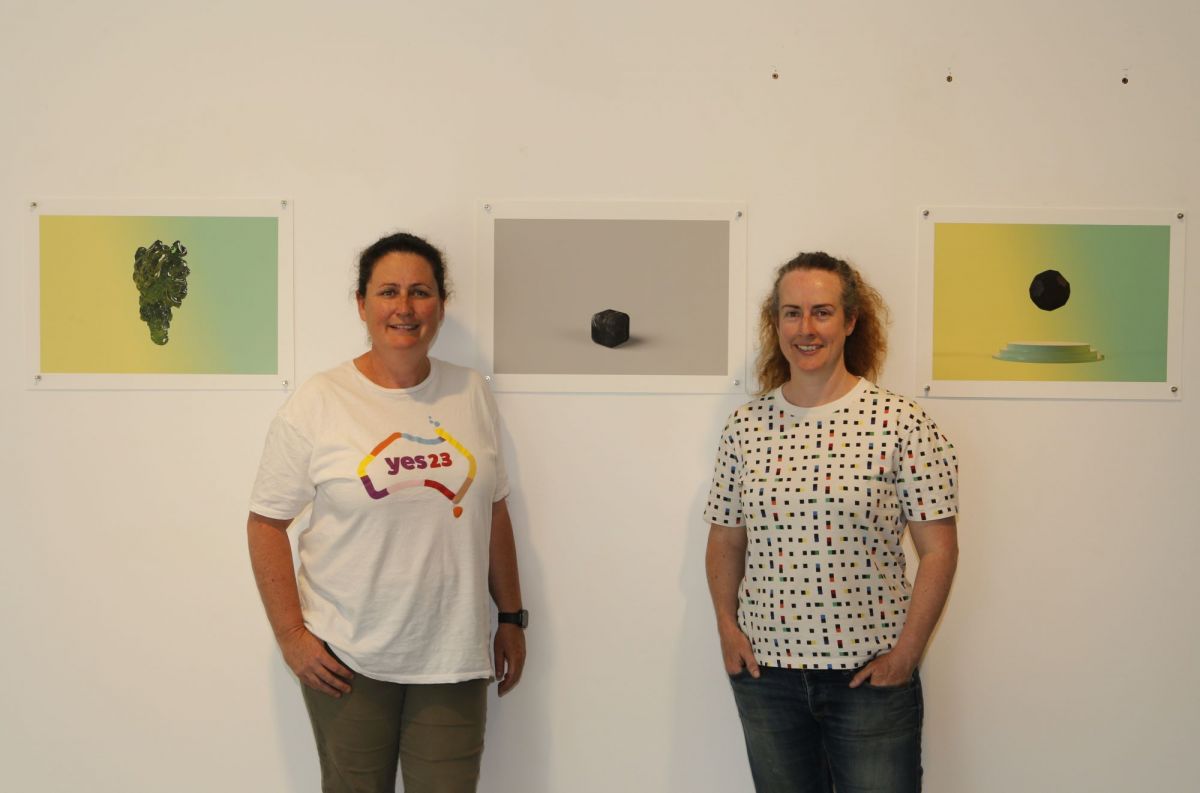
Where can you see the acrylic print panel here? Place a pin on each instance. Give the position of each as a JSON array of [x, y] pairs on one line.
[[167, 300], [674, 272], [1053, 308]]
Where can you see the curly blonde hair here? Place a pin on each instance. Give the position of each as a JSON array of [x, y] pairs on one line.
[[866, 346]]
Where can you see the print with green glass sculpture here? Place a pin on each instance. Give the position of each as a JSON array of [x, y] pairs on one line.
[[160, 274]]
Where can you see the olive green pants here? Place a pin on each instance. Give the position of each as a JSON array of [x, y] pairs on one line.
[[434, 732]]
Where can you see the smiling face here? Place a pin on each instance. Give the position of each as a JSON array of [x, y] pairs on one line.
[[812, 324], [401, 306]]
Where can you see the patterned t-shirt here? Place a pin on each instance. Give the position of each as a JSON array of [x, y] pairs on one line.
[[825, 494]]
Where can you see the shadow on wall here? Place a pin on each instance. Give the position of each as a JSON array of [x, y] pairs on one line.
[[518, 746], [297, 750], [713, 758]]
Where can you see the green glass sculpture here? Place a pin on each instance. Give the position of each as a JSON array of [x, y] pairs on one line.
[[160, 274]]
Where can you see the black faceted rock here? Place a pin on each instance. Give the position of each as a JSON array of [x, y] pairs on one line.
[[1049, 290], [610, 327]]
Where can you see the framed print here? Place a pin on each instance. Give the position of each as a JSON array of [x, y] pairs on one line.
[[613, 297], [1051, 303], [159, 294]]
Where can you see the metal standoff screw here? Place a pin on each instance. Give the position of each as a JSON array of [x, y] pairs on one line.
[[37, 379], [1174, 389], [925, 213], [487, 207], [286, 384], [737, 382], [1180, 216], [33, 204], [487, 377], [926, 390], [739, 213], [283, 204]]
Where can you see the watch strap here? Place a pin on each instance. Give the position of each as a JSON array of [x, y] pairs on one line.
[[520, 618]]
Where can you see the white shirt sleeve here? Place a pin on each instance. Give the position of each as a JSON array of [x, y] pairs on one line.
[[284, 485], [501, 489]]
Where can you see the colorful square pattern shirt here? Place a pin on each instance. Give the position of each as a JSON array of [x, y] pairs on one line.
[[825, 494]]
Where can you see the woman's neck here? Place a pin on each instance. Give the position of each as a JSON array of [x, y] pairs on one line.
[[393, 371], [806, 393]]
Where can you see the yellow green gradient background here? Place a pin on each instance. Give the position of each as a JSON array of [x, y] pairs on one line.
[[227, 324], [1119, 279]]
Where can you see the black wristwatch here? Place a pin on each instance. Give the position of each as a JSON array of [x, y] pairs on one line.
[[519, 618]]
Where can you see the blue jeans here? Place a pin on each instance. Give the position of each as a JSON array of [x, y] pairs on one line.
[[807, 731]]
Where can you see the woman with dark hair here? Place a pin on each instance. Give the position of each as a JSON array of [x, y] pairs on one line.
[[816, 481], [387, 624]]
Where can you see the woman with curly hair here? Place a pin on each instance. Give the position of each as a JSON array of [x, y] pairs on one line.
[[816, 482]]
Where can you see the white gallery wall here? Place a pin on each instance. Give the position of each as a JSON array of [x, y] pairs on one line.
[[136, 656]]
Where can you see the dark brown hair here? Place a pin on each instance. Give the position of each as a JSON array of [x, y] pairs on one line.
[[402, 242]]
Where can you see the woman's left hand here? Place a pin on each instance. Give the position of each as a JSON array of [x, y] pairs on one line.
[[889, 669], [509, 647]]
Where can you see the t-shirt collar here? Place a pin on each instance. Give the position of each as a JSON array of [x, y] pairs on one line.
[[819, 411], [366, 382]]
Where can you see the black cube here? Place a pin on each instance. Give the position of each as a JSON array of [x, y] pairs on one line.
[[610, 327]]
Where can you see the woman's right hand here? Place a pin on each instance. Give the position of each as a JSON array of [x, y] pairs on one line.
[[307, 657], [736, 651]]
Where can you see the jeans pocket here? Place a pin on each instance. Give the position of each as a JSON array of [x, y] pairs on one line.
[[912, 681]]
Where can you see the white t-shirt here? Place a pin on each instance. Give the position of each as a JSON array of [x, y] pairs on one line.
[[394, 561], [825, 494]]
